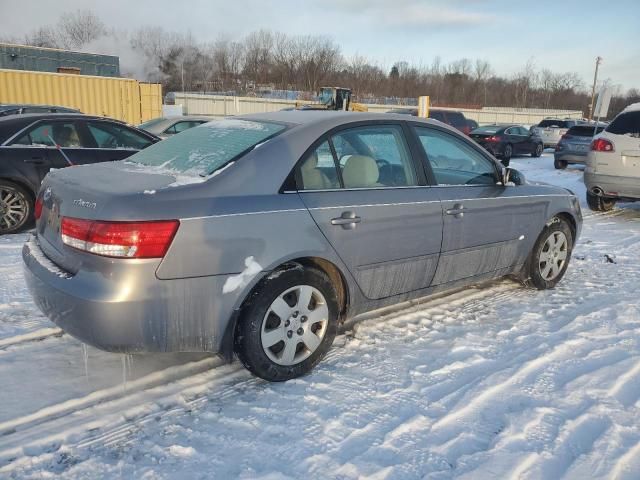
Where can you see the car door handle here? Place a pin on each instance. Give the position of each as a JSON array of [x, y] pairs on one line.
[[348, 220], [35, 160], [457, 211]]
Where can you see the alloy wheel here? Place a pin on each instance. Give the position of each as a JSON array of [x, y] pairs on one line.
[[294, 325], [553, 255], [14, 208]]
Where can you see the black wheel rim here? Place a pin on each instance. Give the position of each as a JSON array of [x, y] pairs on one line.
[[13, 209]]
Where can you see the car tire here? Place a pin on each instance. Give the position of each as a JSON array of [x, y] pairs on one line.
[[507, 152], [537, 151], [550, 256], [600, 204], [560, 164], [288, 344], [16, 207]]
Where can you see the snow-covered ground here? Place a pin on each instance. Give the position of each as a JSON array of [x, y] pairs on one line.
[[497, 381]]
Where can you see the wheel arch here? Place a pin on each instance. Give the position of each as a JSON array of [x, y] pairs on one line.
[[335, 274]]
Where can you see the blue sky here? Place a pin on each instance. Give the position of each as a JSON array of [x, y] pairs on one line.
[[559, 35]]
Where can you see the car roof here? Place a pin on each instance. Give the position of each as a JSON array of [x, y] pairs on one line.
[[39, 105], [330, 119]]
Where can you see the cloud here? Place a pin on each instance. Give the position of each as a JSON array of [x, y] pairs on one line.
[[414, 13]]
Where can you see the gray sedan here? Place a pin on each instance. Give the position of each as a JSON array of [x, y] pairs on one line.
[[258, 235], [165, 127]]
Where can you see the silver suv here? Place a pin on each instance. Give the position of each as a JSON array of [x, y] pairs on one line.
[[551, 130], [612, 171]]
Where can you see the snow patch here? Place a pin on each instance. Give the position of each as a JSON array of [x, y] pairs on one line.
[[252, 268], [180, 451], [149, 192]]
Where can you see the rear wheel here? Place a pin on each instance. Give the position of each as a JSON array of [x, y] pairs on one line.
[[537, 151], [507, 152], [560, 164], [550, 256], [16, 207], [600, 204], [288, 324]]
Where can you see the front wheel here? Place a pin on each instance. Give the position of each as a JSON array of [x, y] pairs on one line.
[[288, 323], [537, 151], [16, 207], [550, 256], [600, 204]]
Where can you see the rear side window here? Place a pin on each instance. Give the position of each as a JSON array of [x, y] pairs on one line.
[[51, 134], [375, 156], [112, 136], [318, 170], [204, 149], [626, 124]]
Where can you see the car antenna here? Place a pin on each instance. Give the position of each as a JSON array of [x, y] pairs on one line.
[[59, 148]]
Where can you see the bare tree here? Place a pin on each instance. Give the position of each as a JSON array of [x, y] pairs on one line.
[[79, 28]]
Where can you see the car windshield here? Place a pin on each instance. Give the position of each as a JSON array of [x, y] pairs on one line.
[[204, 149], [488, 130]]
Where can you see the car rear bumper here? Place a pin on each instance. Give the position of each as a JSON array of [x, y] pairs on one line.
[[130, 312], [613, 186], [570, 157]]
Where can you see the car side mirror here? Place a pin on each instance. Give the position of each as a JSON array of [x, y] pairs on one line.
[[511, 175]]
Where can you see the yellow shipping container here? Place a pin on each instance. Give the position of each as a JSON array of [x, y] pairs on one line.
[[122, 98]]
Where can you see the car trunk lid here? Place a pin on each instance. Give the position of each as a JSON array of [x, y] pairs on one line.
[[83, 192]]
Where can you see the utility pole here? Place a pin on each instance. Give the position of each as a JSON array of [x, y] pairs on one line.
[[593, 89]]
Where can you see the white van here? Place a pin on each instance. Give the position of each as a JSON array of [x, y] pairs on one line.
[[612, 170]]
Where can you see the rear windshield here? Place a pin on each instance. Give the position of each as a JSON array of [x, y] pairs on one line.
[[626, 124], [457, 119], [204, 149], [583, 131], [151, 123], [553, 123], [488, 130]]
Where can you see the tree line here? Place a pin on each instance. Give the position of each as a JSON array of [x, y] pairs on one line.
[[266, 60]]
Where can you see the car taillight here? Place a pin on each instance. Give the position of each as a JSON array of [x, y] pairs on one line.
[[120, 239], [601, 145], [37, 208], [493, 138]]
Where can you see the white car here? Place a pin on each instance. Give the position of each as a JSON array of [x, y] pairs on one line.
[[612, 170], [551, 130]]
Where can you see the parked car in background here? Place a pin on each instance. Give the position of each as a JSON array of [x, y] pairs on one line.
[[165, 127], [472, 124], [504, 141], [612, 171], [33, 144], [550, 130], [574, 145], [207, 242], [18, 109], [450, 117]]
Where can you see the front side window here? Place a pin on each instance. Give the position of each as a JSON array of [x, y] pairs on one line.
[[51, 134], [626, 124], [374, 156], [109, 135], [202, 150], [453, 162]]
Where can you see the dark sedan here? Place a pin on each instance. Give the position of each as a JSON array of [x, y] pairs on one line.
[[20, 109], [504, 141], [33, 144]]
